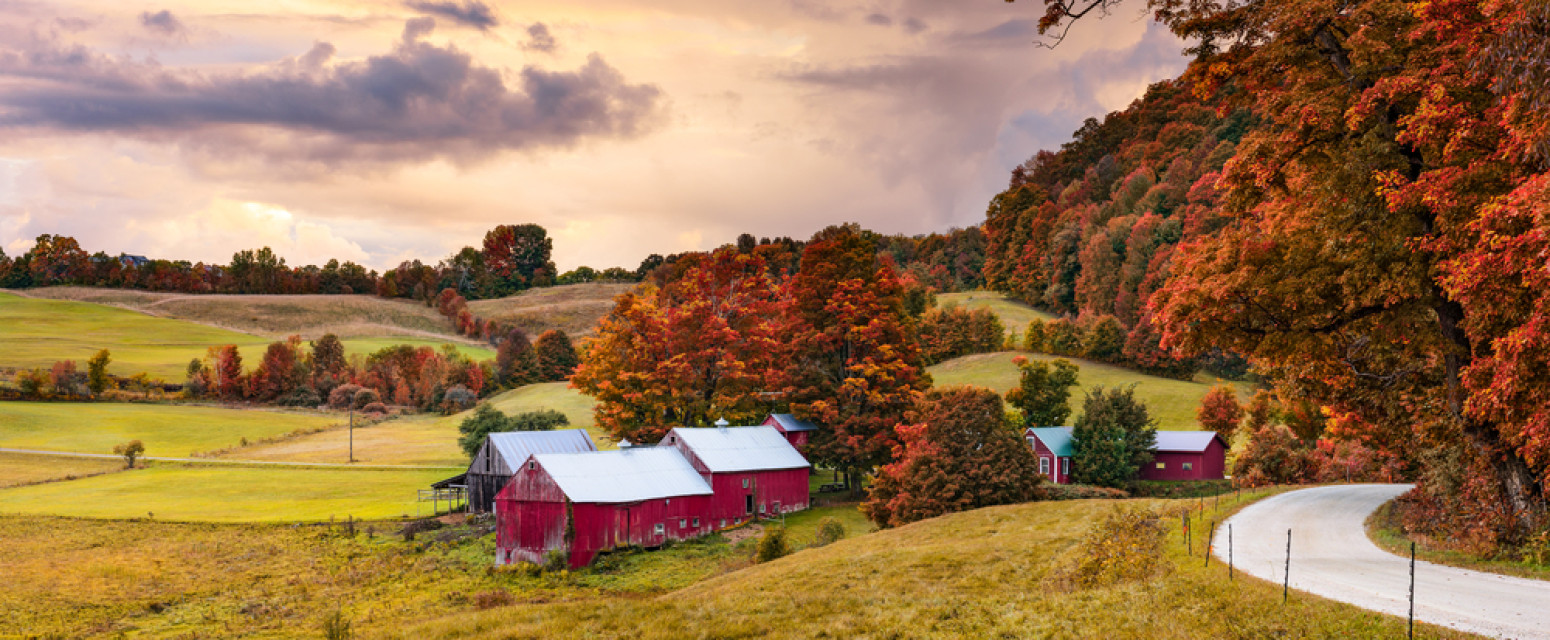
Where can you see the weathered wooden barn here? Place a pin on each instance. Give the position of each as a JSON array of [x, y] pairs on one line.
[[797, 432], [1178, 455], [585, 503], [1052, 446], [500, 454], [1187, 455], [754, 471]]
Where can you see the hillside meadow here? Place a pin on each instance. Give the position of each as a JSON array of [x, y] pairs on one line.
[[17, 469], [165, 429], [1014, 315], [1172, 402]]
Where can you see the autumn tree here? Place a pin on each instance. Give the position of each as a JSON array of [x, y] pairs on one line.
[[1043, 391], [1105, 341], [56, 259], [555, 355], [517, 256], [515, 362], [228, 378], [701, 349], [853, 367], [958, 454], [130, 450], [1219, 411], [1113, 439], [279, 372], [97, 372], [329, 367]]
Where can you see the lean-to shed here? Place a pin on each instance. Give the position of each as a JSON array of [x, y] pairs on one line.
[[501, 452], [754, 471], [797, 432], [585, 503]]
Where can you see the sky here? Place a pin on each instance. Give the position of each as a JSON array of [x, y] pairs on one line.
[[382, 131]]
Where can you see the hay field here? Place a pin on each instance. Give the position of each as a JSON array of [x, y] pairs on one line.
[[18, 469], [167, 430], [574, 309]]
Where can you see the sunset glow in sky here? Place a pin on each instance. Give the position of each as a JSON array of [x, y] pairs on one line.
[[381, 131]]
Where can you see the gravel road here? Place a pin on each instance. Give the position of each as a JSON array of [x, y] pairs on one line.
[[1332, 557]]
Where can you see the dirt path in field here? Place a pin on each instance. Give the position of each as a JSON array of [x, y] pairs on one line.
[[1333, 557], [273, 463]]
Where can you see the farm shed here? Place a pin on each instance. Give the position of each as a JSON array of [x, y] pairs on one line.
[[795, 431], [1052, 446], [584, 503], [754, 471], [500, 454], [1187, 455]]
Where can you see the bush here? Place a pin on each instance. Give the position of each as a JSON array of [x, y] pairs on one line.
[[492, 599], [1125, 545], [343, 396], [1082, 492], [336, 627], [556, 560], [300, 397], [1274, 455], [457, 399], [829, 531], [375, 408], [773, 545], [1185, 489], [365, 397]]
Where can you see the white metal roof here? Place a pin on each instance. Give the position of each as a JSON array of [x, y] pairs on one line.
[[516, 446], [625, 475], [741, 448], [1192, 441], [791, 423]]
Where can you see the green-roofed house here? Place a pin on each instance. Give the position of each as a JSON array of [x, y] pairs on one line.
[[1052, 445]]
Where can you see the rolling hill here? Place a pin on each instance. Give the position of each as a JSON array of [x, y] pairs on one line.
[[574, 309]]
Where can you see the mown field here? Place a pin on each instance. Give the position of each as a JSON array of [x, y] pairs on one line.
[[228, 493], [36, 332], [1172, 402], [166, 430]]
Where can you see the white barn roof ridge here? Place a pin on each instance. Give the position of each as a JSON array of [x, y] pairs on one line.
[[624, 475], [733, 449]]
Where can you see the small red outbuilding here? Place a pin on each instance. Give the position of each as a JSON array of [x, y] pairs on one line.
[[753, 471], [1187, 455], [797, 432], [585, 503]]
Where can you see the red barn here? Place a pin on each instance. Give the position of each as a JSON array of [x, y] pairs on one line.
[[753, 471], [493, 465], [1187, 455], [600, 500], [796, 431], [1052, 446]]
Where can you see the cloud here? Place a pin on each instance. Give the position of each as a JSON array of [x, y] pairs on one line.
[[879, 19], [419, 101], [539, 39], [162, 22], [472, 13]]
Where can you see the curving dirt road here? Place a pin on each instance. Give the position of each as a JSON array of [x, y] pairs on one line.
[[1332, 557]]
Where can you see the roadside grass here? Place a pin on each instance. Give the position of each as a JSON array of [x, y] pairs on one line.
[[984, 573], [1172, 402], [574, 309], [1014, 315], [273, 316], [1383, 528], [18, 469], [166, 429], [228, 493], [37, 332]]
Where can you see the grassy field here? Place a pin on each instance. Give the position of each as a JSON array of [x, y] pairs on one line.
[[1014, 314], [227, 493], [166, 430], [574, 309], [37, 332], [23, 468], [1385, 529], [1172, 402]]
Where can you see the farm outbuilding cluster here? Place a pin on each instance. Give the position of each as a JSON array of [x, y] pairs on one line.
[[497, 459], [1178, 455], [697, 480]]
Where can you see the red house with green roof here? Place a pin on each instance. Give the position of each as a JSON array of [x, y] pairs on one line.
[[1178, 455]]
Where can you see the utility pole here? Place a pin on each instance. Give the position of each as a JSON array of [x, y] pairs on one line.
[[352, 433]]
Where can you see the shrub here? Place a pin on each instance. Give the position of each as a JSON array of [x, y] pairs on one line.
[[300, 397], [365, 397], [336, 627], [773, 545], [375, 408], [556, 560], [1274, 455], [457, 399], [1125, 545], [492, 599], [343, 396], [829, 531]]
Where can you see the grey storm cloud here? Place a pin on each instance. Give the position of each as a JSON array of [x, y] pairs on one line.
[[539, 38], [473, 13], [162, 22], [417, 102]]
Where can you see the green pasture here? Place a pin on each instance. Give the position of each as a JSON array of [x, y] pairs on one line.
[[1013, 314], [166, 430], [30, 468], [1172, 402], [227, 493]]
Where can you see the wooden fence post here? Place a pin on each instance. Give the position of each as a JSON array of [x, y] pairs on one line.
[[1210, 538], [1412, 591], [1286, 574]]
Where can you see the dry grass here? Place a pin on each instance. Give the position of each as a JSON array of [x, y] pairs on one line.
[[18, 469], [574, 309]]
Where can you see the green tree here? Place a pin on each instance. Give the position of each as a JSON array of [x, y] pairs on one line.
[[1106, 340], [487, 419], [1113, 438], [1043, 394], [97, 372], [773, 545]]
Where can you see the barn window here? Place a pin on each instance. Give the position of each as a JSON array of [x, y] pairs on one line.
[[683, 523], [659, 529], [1044, 466], [532, 465], [745, 483], [696, 523], [1065, 466], [723, 523], [1162, 465], [1189, 466], [672, 439]]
